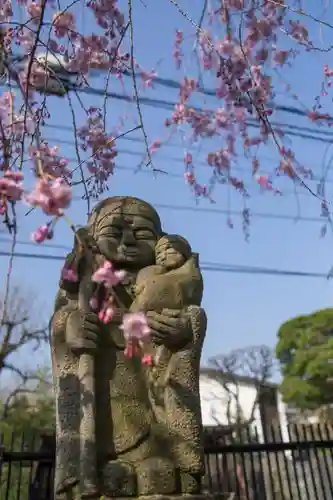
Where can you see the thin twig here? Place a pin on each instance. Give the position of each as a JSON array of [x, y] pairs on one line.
[[66, 177], [111, 68], [135, 87], [77, 151], [301, 12], [10, 268]]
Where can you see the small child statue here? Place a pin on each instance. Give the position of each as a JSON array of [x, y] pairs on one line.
[[173, 282]]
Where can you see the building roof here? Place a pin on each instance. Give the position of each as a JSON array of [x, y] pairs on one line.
[[218, 375]]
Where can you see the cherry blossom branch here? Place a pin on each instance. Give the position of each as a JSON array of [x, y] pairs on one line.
[[300, 12], [264, 119]]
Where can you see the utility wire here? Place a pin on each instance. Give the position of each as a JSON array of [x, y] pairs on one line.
[[221, 211], [174, 159], [182, 208], [170, 83], [288, 129], [206, 266], [169, 105], [218, 211], [250, 120], [33, 243], [174, 84]]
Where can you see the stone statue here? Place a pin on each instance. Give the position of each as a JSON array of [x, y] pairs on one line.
[[168, 284], [113, 437]]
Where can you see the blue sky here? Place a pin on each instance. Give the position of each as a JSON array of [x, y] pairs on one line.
[[242, 309]]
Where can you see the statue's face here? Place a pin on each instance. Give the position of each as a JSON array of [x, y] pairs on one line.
[[127, 240], [170, 252], [169, 257]]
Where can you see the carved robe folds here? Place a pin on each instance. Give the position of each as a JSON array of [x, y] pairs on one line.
[[144, 445]]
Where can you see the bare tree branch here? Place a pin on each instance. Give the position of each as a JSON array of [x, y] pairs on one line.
[[255, 364], [17, 332]]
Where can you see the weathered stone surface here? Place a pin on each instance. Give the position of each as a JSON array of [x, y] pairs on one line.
[[124, 429], [183, 497], [156, 474], [119, 479]]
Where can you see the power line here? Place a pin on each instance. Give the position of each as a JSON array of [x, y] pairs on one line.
[[172, 158], [252, 124], [221, 211], [184, 208], [168, 82], [169, 105], [210, 267], [33, 243], [250, 120]]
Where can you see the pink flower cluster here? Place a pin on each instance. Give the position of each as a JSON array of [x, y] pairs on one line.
[[134, 325], [108, 276], [53, 165], [11, 187], [51, 196], [239, 47], [241, 63], [94, 139]]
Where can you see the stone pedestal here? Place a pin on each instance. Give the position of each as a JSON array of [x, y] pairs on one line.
[[74, 495], [154, 478], [202, 496]]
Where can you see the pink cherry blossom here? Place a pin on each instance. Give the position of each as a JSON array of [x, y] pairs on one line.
[[53, 164], [177, 51], [132, 348], [69, 274], [34, 8], [63, 22], [188, 159], [93, 138], [189, 177], [148, 78], [147, 359], [135, 326], [51, 196], [107, 275], [241, 59], [41, 234], [106, 314], [155, 145], [11, 186], [266, 184]]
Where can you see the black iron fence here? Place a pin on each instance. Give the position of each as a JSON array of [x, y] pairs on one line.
[[298, 468]]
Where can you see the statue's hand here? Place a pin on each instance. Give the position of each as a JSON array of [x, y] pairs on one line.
[[170, 327], [82, 332], [138, 288]]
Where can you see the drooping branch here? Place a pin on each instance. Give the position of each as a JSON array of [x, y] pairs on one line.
[[18, 332], [253, 366]]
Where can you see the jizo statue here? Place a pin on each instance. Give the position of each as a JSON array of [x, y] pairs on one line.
[[124, 428]]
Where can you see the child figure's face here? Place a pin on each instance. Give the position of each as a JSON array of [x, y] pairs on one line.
[[167, 254]]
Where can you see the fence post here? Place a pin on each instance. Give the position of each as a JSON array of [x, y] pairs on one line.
[[2, 449]]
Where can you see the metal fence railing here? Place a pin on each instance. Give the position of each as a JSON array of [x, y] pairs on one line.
[[299, 469]]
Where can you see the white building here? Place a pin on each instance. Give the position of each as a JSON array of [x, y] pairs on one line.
[[224, 398]]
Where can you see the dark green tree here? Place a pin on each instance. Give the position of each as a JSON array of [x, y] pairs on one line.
[[305, 352], [21, 430]]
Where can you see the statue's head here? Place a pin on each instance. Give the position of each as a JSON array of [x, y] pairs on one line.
[[172, 251], [126, 230]]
